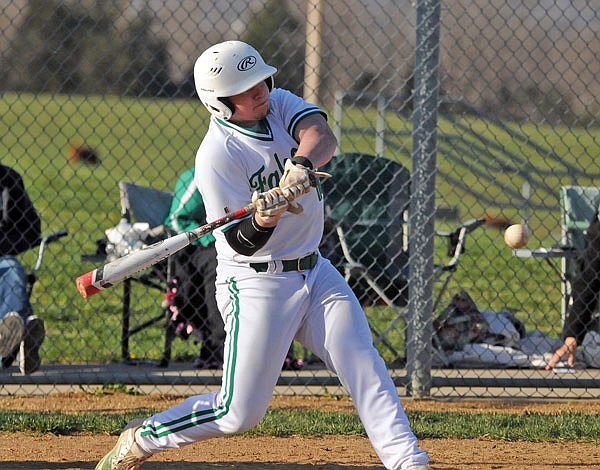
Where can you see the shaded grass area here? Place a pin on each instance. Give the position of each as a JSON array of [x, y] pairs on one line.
[[530, 426]]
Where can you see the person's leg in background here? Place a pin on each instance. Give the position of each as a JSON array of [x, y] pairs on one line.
[[20, 330], [209, 318], [195, 270]]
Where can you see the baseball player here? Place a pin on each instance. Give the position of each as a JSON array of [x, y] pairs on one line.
[[273, 286]]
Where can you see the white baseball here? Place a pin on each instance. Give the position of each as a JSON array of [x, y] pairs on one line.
[[516, 236]]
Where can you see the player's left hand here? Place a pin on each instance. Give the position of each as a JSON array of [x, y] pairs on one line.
[[270, 205]]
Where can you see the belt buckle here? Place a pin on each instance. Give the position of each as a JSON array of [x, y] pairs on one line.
[[299, 260]]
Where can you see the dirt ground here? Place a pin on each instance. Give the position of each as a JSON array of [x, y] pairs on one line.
[[49, 452]]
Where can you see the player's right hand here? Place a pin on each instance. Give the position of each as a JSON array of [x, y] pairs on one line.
[[296, 180]]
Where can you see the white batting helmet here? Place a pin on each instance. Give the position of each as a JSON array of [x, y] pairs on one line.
[[227, 69]]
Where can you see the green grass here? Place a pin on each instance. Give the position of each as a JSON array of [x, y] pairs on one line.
[[151, 141], [282, 423]]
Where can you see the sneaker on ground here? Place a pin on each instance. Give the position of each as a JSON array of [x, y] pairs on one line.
[[419, 467], [11, 332], [126, 454], [29, 357]]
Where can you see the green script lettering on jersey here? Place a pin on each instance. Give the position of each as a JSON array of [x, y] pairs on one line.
[[261, 182], [264, 183], [258, 181]]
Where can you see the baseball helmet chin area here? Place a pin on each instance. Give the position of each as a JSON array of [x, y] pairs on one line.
[[227, 69]]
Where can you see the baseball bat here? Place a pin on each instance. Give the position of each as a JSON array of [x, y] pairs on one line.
[[120, 269]]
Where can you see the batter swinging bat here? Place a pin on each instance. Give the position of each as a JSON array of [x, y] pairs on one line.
[[120, 269]]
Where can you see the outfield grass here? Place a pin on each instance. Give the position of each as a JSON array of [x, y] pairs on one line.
[[152, 141]]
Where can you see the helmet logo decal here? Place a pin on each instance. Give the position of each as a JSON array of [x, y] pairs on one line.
[[246, 63]]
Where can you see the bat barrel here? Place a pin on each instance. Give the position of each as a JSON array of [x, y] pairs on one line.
[[85, 285], [117, 271]]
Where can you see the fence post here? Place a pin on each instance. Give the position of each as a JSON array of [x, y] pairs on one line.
[[312, 60], [422, 205]]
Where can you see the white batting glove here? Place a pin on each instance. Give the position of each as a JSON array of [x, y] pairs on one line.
[[296, 180], [270, 205]]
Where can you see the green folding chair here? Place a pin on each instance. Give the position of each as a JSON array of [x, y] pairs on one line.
[[578, 204], [366, 203]]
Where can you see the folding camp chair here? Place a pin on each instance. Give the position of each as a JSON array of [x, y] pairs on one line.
[[366, 204], [145, 204], [578, 205], [366, 233]]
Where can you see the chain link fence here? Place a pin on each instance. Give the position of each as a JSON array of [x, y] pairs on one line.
[[485, 111]]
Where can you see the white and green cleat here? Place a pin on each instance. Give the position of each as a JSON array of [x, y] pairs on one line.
[[126, 454]]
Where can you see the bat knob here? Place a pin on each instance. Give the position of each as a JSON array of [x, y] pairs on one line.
[[85, 286]]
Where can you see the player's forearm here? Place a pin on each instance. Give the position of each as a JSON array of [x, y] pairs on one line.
[[317, 143]]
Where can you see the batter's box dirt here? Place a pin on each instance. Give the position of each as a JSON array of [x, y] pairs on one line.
[[26, 451]]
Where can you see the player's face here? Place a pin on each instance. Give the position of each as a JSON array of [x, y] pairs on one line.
[[251, 105]]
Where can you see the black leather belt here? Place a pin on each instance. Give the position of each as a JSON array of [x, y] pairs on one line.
[[300, 264]]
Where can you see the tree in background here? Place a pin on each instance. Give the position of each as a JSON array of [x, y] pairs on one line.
[[279, 38], [67, 48]]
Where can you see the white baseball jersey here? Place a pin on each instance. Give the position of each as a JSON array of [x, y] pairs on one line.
[[233, 162]]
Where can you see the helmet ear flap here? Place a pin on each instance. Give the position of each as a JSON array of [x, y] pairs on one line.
[[222, 108], [227, 102], [270, 82]]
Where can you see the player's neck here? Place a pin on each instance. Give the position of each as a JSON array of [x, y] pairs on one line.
[[256, 126]]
